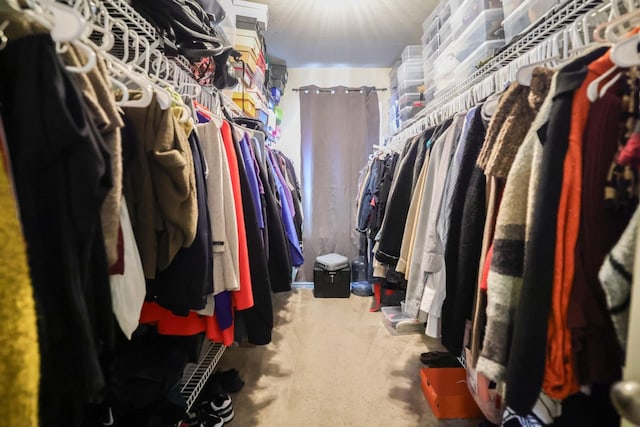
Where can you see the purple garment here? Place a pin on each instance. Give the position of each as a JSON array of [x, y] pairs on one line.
[[202, 118], [287, 218], [275, 164], [222, 310], [256, 165], [249, 165]]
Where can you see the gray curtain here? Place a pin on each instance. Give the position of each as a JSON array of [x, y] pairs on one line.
[[339, 128]]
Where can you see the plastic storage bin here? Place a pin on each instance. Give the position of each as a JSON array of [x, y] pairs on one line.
[[447, 393], [409, 86], [410, 71], [487, 26], [409, 111], [482, 53], [528, 12], [444, 12], [412, 53], [468, 11], [410, 99], [432, 18], [393, 316], [431, 31], [431, 47]]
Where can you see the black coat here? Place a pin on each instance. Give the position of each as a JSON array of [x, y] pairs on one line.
[[459, 297], [61, 170]]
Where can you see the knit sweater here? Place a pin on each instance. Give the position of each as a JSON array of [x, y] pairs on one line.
[[161, 187], [616, 278], [504, 281], [20, 373], [518, 105]]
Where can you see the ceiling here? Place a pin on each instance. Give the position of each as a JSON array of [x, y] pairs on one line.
[[348, 33]]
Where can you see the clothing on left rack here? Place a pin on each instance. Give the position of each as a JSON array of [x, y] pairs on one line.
[[144, 233]]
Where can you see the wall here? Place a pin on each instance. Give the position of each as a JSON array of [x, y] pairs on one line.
[[289, 142]]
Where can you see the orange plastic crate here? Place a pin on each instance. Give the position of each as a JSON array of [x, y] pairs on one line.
[[447, 393]]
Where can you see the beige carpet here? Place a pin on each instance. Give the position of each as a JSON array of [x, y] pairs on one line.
[[332, 363]]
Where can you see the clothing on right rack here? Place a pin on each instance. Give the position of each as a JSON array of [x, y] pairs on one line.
[[510, 225]]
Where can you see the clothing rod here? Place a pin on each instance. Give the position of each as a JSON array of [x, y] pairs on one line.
[[326, 90]]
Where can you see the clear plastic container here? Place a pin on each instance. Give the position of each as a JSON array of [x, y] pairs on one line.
[[410, 71], [524, 15], [468, 11], [409, 112], [445, 31], [432, 18], [470, 65], [412, 53], [487, 26], [445, 12], [431, 30], [393, 316], [430, 48], [510, 5], [410, 100], [409, 86]]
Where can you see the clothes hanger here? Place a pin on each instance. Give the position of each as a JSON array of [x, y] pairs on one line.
[[65, 23], [163, 97], [89, 53], [120, 69]]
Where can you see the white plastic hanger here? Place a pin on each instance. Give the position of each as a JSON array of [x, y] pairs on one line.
[[625, 53], [91, 59], [67, 23], [163, 97]]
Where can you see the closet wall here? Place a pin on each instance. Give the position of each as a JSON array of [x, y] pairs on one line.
[[289, 142]]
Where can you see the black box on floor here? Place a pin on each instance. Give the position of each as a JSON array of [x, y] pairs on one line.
[[331, 277]]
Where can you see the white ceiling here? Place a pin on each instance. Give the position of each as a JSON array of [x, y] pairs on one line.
[[350, 33]]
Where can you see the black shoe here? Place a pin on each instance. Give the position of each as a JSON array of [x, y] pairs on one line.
[[230, 380], [439, 359]]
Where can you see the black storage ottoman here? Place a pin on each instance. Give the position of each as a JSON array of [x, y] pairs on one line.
[[331, 277]]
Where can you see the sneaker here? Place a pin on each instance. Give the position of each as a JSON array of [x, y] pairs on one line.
[[217, 403], [220, 405], [203, 420]]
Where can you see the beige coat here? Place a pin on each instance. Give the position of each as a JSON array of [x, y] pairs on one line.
[[160, 186]]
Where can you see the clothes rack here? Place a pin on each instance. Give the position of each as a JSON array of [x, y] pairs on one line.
[[146, 40], [484, 81]]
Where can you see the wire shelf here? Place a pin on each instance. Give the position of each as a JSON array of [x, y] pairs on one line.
[[555, 21], [195, 376], [120, 9]]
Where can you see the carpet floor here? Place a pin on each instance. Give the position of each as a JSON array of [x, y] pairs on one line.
[[332, 363]]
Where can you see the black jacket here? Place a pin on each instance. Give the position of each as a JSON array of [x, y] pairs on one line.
[[459, 300]]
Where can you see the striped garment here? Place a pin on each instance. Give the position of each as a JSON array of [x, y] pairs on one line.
[[505, 275], [615, 278]]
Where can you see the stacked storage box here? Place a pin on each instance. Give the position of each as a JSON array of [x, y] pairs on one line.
[[436, 38], [394, 111], [476, 32], [520, 14], [410, 78], [248, 94]]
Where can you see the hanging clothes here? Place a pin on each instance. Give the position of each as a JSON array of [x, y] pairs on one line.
[[19, 350], [526, 360], [162, 192], [48, 130]]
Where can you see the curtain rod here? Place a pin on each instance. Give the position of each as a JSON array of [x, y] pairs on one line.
[[328, 90]]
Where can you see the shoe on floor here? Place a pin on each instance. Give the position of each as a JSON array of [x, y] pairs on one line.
[[229, 380], [219, 404], [203, 420], [439, 359]]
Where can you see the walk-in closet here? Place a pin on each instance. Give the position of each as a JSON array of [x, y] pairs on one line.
[[283, 213]]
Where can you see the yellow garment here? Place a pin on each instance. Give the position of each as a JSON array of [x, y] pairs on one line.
[[19, 354]]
